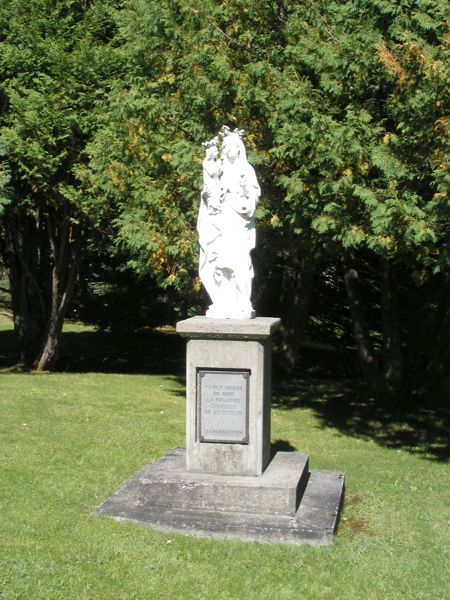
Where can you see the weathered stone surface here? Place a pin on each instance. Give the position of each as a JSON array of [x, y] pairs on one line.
[[167, 483], [322, 501], [207, 328], [233, 345], [165, 496]]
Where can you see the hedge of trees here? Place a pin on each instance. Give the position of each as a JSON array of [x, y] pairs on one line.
[[345, 103]]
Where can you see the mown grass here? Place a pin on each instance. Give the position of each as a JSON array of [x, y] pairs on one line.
[[69, 440]]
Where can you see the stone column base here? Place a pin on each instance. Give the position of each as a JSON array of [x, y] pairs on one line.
[[228, 387], [287, 504]]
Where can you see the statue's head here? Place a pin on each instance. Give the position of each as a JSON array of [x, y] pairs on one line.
[[231, 150], [211, 148], [232, 145]]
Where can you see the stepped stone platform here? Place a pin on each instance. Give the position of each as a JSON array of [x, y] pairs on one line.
[[286, 504]]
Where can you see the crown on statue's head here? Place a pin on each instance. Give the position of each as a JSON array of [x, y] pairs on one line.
[[210, 143], [226, 131]]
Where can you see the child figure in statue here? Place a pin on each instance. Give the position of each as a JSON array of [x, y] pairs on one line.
[[208, 223], [227, 228]]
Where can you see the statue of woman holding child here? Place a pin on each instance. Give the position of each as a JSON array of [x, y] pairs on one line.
[[226, 226]]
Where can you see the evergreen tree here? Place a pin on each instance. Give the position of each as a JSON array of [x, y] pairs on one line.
[[344, 104], [367, 161], [57, 62]]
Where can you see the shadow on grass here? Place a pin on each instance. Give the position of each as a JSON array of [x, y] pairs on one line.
[[419, 424], [144, 352], [281, 446], [147, 352]]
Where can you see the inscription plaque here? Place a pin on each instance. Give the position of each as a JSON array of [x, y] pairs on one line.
[[222, 406]]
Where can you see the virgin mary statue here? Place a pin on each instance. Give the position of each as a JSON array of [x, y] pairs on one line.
[[226, 227]]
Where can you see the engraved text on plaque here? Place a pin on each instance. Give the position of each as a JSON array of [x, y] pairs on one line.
[[222, 398]]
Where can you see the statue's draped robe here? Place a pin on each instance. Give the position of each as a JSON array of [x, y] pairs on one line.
[[227, 233]]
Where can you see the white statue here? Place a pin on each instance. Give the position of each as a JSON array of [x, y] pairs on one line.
[[226, 227]]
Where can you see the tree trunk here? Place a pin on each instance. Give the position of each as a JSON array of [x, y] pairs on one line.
[[440, 339], [41, 252], [50, 350], [367, 358], [64, 261], [19, 243], [392, 342], [52, 340], [297, 289]]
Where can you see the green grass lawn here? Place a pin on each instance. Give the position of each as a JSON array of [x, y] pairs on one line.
[[69, 440]]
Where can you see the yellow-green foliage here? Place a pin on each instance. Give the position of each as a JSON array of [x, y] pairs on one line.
[[344, 104]]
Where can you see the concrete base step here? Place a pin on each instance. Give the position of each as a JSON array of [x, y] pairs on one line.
[[287, 504]]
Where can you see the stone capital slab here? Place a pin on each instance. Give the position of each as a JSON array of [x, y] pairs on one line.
[[258, 328]]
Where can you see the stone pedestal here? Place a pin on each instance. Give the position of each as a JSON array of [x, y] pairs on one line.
[[228, 370], [225, 483], [287, 504]]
